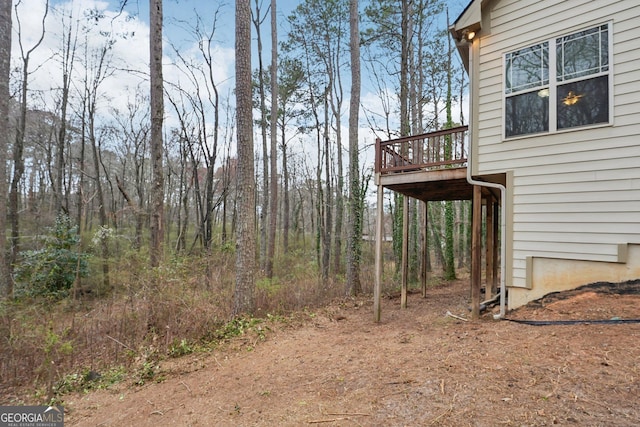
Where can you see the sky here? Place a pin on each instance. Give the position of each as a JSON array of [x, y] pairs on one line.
[[130, 50]]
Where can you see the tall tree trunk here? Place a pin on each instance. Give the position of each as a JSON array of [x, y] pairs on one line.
[[435, 219], [91, 102], [450, 267], [264, 209], [157, 113], [245, 235], [183, 202], [336, 108], [81, 166], [286, 208], [354, 236], [327, 203], [68, 58], [211, 148], [273, 187], [337, 235], [104, 242], [405, 125], [18, 148], [404, 129], [225, 194], [395, 209], [6, 284]]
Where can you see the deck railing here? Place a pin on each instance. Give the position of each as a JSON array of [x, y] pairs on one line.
[[428, 151]]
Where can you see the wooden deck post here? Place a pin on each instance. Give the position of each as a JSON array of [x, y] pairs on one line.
[[490, 285], [405, 251], [377, 287], [425, 249], [496, 245], [476, 251], [494, 241]]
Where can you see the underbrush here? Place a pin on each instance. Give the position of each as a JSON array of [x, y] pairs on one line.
[[50, 347]]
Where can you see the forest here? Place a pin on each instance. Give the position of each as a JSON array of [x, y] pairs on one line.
[[154, 200]]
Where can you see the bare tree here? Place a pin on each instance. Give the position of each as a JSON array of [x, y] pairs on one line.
[[98, 67], [291, 78], [317, 34], [6, 284], [245, 235], [18, 147], [198, 132], [133, 127], [157, 149], [67, 59], [205, 40]]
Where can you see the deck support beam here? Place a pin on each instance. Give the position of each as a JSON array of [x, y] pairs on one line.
[[490, 288], [492, 247], [496, 246], [377, 287], [424, 276], [405, 251]]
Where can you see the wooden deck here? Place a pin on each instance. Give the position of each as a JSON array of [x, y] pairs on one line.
[[428, 151], [428, 167], [433, 167], [430, 185]]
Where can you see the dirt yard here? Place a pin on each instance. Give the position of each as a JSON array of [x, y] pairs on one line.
[[419, 367]]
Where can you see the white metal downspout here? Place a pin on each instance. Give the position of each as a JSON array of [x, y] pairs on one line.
[[502, 188]]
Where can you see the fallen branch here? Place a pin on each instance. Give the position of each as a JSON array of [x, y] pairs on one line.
[[450, 314], [355, 414], [121, 343], [399, 383], [327, 421]]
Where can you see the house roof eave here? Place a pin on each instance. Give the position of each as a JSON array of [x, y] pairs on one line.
[[469, 20], [469, 16]]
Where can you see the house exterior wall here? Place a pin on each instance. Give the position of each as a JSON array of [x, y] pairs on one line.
[[575, 193]]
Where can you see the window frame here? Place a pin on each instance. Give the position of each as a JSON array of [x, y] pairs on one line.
[[553, 83]]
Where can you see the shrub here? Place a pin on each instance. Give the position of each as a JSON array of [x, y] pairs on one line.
[[51, 270]]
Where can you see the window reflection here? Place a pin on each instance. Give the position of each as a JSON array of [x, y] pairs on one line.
[[527, 68], [526, 113], [583, 53], [583, 103]]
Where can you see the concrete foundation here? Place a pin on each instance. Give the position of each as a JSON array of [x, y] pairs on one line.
[[547, 275]]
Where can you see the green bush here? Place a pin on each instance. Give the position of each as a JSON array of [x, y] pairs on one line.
[[51, 270]]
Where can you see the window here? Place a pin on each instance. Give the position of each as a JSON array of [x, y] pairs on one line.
[[527, 74], [558, 84]]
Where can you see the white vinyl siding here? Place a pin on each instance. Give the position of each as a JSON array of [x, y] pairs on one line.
[[576, 193]]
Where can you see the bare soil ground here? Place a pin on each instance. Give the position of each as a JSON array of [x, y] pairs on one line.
[[418, 367]]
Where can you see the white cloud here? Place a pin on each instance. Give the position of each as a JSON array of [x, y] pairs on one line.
[[96, 23]]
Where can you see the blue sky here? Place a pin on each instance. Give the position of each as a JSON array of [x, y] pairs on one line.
[[134, 19], [132, 53]]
